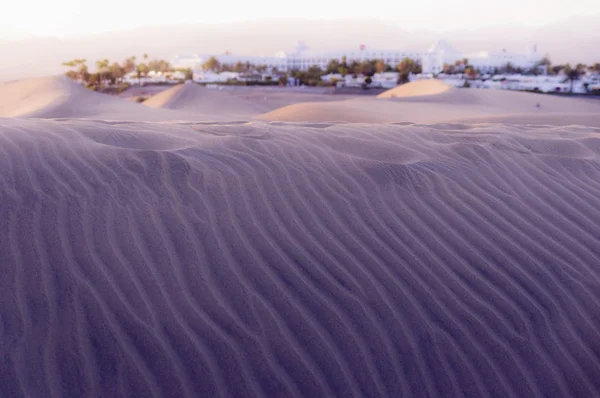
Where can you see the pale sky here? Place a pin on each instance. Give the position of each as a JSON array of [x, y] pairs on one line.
[[77, 17]]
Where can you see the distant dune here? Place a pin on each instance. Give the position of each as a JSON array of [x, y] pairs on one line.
[[212, 104], [60, 97], [417, 89], [298, 260], [435, 102]]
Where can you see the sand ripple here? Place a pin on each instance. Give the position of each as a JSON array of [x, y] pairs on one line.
[[143, 259]]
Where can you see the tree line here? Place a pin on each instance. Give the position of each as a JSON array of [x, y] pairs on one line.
[[312, 76], [111, 73], [107, 72], [571, 73], [463, 67]]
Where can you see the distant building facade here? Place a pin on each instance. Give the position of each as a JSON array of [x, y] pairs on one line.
[[301, 58], [441, 53], [432, 60]]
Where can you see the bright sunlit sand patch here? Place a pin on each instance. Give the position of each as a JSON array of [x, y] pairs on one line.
[[416, 89]]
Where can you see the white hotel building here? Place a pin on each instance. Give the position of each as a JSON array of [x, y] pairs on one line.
[[300, 59], [432, 60]]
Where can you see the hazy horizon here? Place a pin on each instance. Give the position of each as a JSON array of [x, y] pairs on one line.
[[568, 39], [67, 18]]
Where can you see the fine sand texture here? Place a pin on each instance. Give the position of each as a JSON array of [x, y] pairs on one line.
[[304, 260]]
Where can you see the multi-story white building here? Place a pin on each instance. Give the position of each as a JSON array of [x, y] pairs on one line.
[[301, 58], [441, 53], [196, 61], [432, 60]]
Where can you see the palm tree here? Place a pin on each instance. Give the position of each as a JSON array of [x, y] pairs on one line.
[[142, 69], [129, 64], [471, 72], [333, 66], [343, 68], [573, 73], [367, 68], [212, 64], [68, 64], [102, 65], [83, 69], [77, 69], [70, 72], [116, 72], [239, 67], [405, 68]]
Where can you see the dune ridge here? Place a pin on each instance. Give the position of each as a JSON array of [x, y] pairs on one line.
[[435, 102], [150, 259], [58, 97], [211, 103]]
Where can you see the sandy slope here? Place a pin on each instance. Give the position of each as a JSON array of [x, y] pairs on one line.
[[289, 260], [276, 97], [210, 104], [421, 104], [59, 97]]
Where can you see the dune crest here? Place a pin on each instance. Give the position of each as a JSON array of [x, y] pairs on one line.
[[34, 97], [201, 260], [417, 89], [447, 105], [58, 97], [212, 103]]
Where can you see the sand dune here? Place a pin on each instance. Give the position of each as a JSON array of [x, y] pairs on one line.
[[273, 98], [60, 97], [373, 110], [446, 105], [417, 89], [211, 104], [150, 259]]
